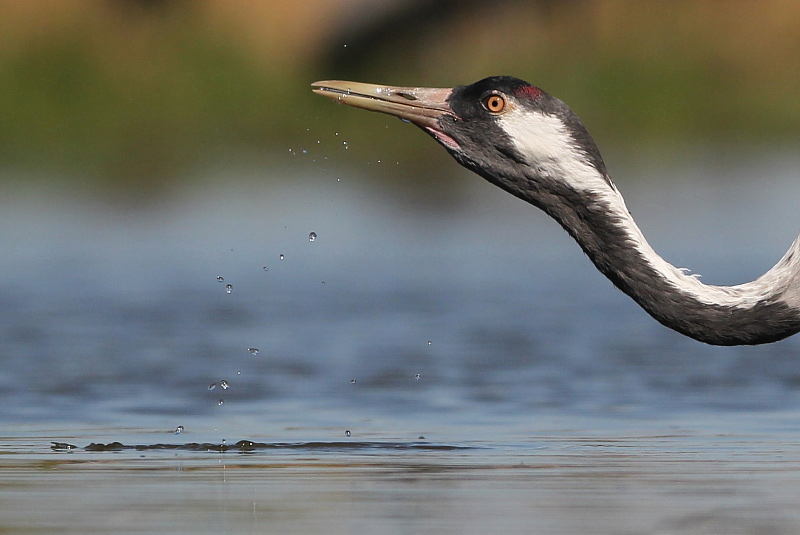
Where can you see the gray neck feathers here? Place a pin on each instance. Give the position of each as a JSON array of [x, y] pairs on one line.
[[564, 176], [764, 310]]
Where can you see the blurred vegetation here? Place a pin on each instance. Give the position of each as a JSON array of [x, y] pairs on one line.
[[137, 94]]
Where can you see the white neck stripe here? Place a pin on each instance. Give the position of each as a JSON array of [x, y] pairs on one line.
[[550, 150]]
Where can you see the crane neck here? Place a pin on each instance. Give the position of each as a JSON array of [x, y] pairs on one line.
[[594, 214]]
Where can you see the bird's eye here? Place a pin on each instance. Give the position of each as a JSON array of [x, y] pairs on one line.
[[494, 103]]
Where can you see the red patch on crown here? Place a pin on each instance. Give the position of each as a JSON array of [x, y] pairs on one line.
[[527, 91]]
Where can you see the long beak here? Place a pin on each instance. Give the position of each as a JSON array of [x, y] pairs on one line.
[[422, 106]]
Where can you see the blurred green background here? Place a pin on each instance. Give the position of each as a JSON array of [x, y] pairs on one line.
[[129, 99]]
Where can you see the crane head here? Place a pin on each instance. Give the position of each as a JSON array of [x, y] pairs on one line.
[[508, 131]]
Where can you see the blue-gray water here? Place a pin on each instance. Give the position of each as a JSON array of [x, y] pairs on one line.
[[489, 378]]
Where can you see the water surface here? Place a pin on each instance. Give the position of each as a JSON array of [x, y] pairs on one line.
[[489, 379]]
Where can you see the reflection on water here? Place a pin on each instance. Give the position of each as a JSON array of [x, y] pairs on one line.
[[248, 446], [385, 367], [562, 483]]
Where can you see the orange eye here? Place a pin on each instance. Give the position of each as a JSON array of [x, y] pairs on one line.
[[494, 103]]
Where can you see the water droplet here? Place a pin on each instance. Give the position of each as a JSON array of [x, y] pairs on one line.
[[312, 236], [429, 342], [417, 376], [228, 288], [179, 430], [345, 46], [224, 384], [238, 372], [405, 120], [281, 257], [266, 268], [338, 180], [220, 279], [212, 386], [352, 381], [347, 433], [221, 401], [253, 350], [303, 151]]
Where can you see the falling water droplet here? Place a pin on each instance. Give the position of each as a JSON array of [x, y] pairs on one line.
[[228, 288], [224, 384], [220, 279], [347, 433], [221, 401], [179, 430], [429, 342], [212, 386], [303, 151], [312, 236], [266, 268], [281, 257], [417, 376], [352, 381], [253, 350], [238, 372]]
